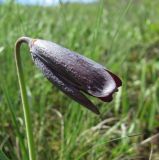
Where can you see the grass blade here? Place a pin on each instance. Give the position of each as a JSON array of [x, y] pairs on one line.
[[3, 156]]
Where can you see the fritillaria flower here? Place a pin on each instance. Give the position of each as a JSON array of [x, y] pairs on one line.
[[73, 73]]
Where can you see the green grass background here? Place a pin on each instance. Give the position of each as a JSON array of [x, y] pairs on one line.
[[123, 36]]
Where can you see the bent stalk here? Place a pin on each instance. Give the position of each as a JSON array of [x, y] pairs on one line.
[[25, 104]]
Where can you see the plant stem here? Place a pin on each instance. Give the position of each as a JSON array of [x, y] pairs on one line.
[[25, 104]]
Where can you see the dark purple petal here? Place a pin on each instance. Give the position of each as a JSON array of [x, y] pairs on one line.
[[74, 73], [65, 86], [107, 98], [116, 79]]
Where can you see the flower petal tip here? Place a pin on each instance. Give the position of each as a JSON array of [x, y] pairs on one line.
[[118, 83]]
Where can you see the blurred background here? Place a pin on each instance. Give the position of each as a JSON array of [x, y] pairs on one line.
[[49, 2], [123, 36]]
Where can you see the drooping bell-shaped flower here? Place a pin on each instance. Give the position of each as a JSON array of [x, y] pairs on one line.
[[73, 73]]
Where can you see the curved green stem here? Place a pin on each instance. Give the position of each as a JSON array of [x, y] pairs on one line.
[[26, 110]]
